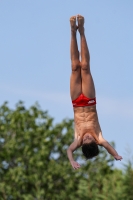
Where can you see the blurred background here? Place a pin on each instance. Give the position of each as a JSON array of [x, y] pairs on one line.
[[35, 60]]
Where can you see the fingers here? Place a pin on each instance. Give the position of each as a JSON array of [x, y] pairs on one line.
[[121, 158], [75, 165], [118, 158]]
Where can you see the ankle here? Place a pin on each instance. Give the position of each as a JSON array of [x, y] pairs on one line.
[[82, 34], [73, 33], [81, 31]]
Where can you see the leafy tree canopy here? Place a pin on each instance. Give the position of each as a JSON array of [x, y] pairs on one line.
[[34, 164]]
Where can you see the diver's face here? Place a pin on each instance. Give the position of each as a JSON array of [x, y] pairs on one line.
[[88, 138]]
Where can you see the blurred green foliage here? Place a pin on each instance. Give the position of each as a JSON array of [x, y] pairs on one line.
[[34, 164]]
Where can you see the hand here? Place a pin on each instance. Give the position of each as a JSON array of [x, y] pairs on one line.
[[117, 157], [75, 165]]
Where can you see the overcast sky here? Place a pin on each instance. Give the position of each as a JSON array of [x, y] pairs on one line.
[[35, 60]]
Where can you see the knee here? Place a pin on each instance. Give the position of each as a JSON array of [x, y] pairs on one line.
[[85, 67], [76, 66]]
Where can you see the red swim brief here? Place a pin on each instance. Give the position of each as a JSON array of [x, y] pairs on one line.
[[82, 101]]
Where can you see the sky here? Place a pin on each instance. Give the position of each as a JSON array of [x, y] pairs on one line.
[[35, 60]]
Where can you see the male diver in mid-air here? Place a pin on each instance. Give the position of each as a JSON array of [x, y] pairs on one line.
[[87, 130]]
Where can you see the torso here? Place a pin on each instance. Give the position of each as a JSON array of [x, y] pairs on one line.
[[86, 121]]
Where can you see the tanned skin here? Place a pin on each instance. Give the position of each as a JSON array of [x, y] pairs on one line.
[[81, 81]]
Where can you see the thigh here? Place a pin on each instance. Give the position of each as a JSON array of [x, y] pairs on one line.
[[88, 87], [75, 84]]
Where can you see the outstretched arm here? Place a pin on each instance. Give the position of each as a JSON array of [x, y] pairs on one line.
[[70, 151], [110, 149]]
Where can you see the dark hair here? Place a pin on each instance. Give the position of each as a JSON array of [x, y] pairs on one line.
[[90, 150]]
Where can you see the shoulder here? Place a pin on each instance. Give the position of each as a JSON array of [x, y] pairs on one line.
[[101, 140], [74, 145]]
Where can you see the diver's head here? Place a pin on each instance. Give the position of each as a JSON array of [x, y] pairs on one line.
[[89, 146]]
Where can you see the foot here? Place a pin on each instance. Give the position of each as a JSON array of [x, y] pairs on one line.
[[80, 20], [73, 24]]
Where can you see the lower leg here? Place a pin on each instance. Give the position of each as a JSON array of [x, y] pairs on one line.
[[85, 55], [74, 47]]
